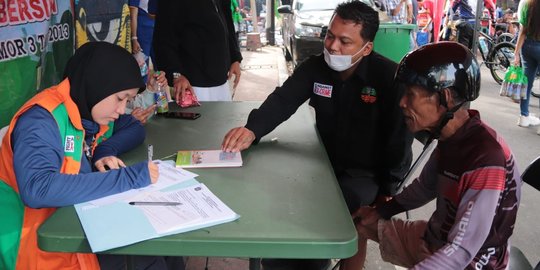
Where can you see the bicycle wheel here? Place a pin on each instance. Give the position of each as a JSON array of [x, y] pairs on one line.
[[500, 58], [505, 37]]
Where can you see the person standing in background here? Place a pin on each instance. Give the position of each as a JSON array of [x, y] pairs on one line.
[[195, 44], [401, 11], [237, 19], [425, 19], [412, 11], [464, 17], [142, 28], [412, 16], [397, 10], [528, 54]]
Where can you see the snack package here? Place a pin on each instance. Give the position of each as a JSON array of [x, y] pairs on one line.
[[189, 100]]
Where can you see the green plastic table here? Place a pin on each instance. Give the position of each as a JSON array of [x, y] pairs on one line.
[[286, 193]]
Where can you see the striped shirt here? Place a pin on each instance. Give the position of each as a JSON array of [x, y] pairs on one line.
[[474, 178], [401, 17]]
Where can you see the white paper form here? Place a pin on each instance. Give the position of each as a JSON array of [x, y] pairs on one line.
[[168, 218], [169, 175], [120, 223], [198, 206]]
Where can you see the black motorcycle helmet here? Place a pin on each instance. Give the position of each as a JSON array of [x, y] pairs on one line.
[[438, 66], [442, 65]]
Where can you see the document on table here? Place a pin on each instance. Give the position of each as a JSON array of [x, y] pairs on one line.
[[112, 224], [198, 206], [169, 176]]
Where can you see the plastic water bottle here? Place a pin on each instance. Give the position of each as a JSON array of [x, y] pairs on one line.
[[504, 88], [516, 88], [483, 44], [161, 98], [511, 89]]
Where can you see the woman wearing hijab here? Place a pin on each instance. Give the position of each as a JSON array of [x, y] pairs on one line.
[[54, 141]]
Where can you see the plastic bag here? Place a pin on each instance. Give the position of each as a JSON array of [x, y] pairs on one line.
[[504, 86], [188, 100], [514, 85], [421, 38], [141, 60]]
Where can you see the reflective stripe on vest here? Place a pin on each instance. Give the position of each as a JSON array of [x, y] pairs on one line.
[[72, 139]]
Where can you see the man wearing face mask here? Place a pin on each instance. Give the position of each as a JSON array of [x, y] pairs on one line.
[[358, 118]]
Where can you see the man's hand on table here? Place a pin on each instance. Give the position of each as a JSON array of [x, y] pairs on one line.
[[181, 84], [237, 139]]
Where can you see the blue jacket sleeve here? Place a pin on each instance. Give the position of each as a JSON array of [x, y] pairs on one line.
[[134, 3], [37, 158], [128, 133]]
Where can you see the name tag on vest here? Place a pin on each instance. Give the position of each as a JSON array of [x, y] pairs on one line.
[[69, 145], [322, 90]]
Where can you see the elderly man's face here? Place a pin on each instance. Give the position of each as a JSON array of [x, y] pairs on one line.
[[421, 108]]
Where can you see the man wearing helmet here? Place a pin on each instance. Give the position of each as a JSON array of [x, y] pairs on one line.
[[351, 89], [471, 172]]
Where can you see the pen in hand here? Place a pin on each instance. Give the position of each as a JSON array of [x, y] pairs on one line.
[[155, 203]]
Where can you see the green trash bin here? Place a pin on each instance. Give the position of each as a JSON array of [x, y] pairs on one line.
[[393, 40]]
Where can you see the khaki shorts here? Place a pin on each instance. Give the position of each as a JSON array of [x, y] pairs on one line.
[[401, 243]]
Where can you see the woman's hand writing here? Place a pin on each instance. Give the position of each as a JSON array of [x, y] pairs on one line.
[[153, 170]]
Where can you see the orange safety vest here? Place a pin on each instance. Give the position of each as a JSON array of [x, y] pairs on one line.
[[24, 254]]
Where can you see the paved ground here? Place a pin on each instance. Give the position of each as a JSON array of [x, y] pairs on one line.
[[265, 68]]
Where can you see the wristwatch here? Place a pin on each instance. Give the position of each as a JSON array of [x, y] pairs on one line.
[[176, 75]]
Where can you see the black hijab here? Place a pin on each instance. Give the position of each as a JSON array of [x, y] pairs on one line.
[[98, 70]]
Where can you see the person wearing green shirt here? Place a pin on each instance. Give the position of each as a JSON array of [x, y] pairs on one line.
[[237, 18], [528, 53]]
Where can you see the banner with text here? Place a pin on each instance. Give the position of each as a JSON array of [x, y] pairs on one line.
[[36, 40]]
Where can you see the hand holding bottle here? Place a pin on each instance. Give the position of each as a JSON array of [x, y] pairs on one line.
[[160, 95], [157, 80]]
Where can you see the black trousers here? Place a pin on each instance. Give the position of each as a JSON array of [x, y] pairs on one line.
[[465, 34], [359, 189], [295, 264]]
